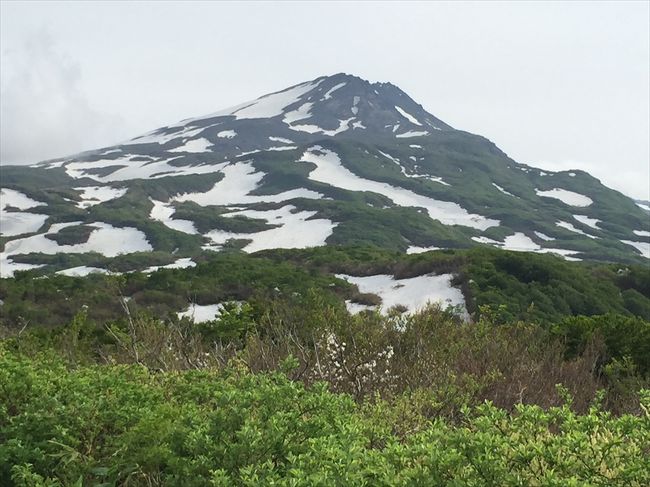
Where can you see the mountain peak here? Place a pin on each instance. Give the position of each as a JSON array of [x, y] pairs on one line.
[[334, 160], [338, 104], [356, 80]]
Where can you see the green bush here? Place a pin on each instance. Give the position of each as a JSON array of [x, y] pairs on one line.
[[624, 337], [124, 425]]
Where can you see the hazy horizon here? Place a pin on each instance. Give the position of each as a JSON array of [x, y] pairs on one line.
[[557, 86]]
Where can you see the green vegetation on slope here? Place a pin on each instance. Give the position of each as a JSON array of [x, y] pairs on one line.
[[539, 288], [125, 425]]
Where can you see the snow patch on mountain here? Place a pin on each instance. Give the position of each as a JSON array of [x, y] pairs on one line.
[[571, 228], [132, 166], [10, 197], [270, 105], [643, 206], [163, 212], [159, 137], [282, 147], [240, 179], [435, 179], [328, 95], [315, 129], [590, 222], [520, 242], [104, 239], [82, 271], [414, 293], [8, 266], [294, 230], [355, 102], [13, 223], [543, 236], [413, 249], [502, 190], [330, 170], [642, 247], [487, 240], [567, 197], [183, 263], [432, 125], [201, 313], [389, 157], [408, 116], [281, 140], [94, 195], [195, 146], [300, 113], [412, 133]]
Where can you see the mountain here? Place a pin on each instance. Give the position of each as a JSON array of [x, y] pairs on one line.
[[336, 160]]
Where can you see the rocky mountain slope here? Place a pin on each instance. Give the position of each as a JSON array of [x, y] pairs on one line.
[[336, 160]]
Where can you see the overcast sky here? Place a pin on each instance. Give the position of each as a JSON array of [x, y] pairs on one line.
[[554, 85]]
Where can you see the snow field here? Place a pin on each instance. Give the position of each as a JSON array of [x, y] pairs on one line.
[[413, 293], [520, 242], [567, 197], [418, 250], [295, 230], [408, 116], [14, 223], [330, 170], [194, 146], [642, 247], [571, 228], [590, 222], [94, 195], [105, 239]]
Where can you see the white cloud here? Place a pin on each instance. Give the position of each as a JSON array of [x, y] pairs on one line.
[[573, 86], [44, 112]]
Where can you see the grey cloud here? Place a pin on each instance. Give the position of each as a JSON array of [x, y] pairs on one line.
[[44, 112], [545, 81]]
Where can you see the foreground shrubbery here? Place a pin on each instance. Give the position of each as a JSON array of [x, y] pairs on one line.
[[288, 392], [371, 355], [291, 389], [125, 425]]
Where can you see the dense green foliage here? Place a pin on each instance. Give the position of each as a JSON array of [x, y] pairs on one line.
[[526, 286], [124, 425], [624, 336], [540, 288], [208, 218], [547, 289], [72, 235], [548, 385]]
